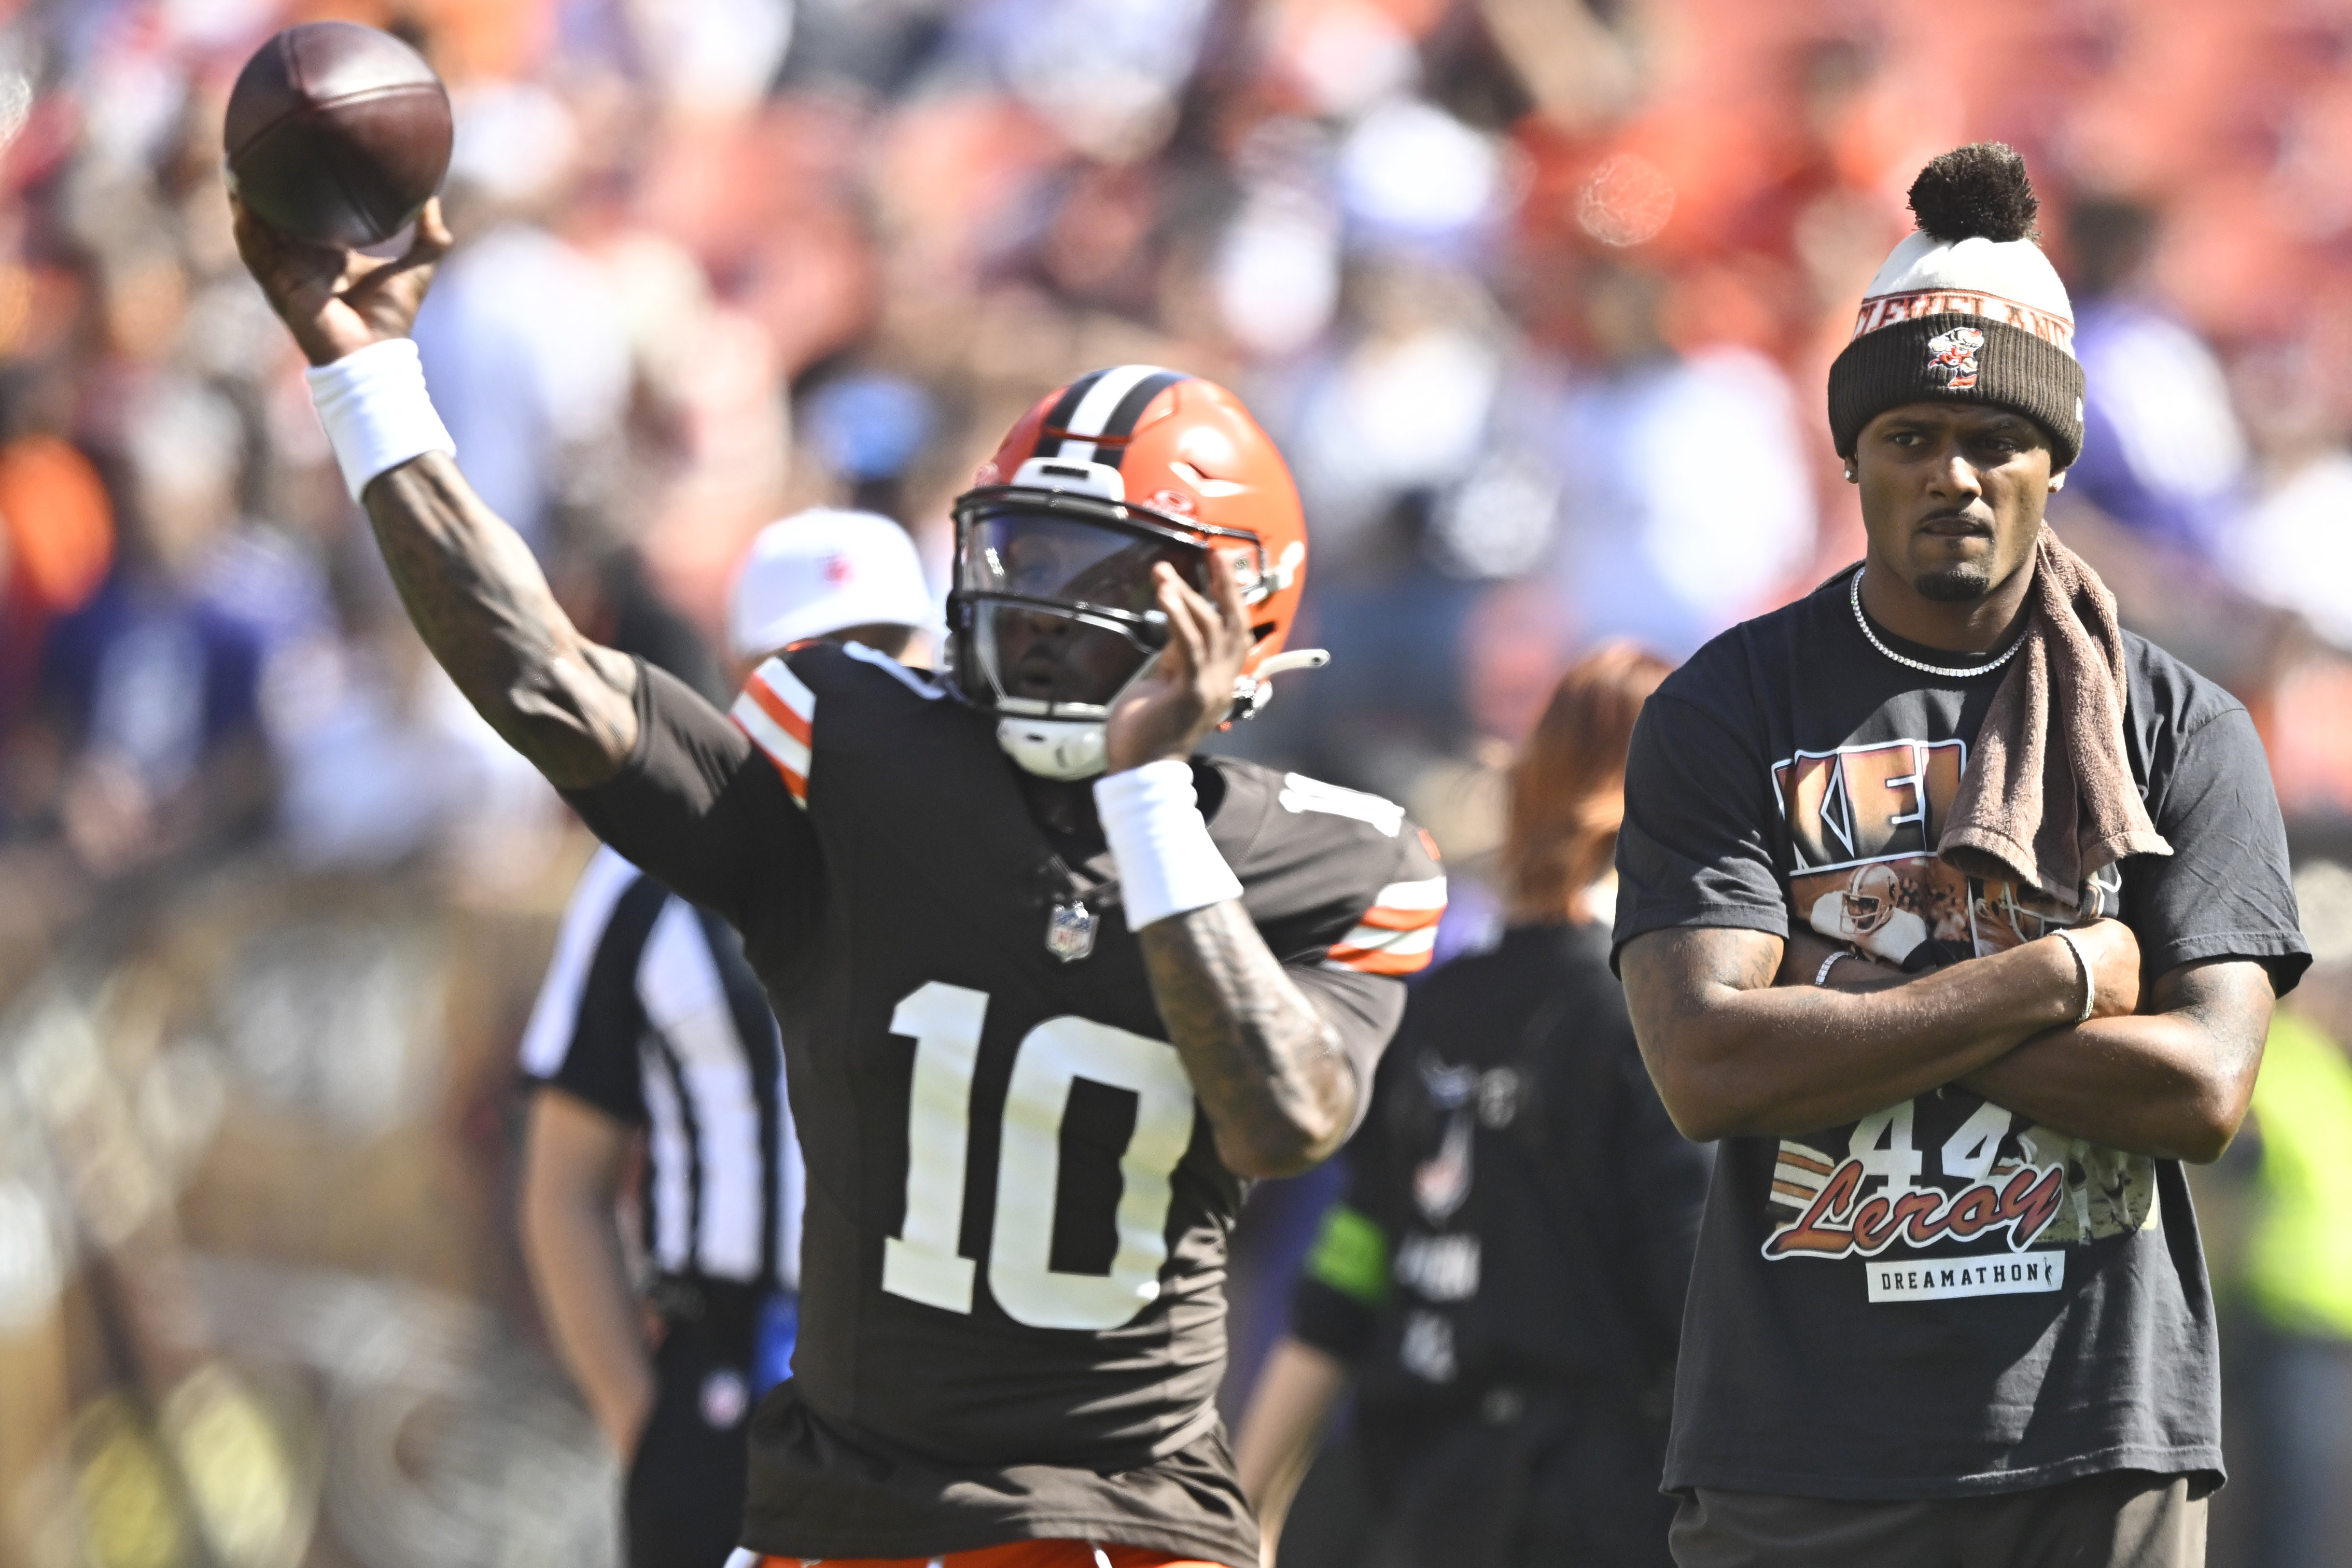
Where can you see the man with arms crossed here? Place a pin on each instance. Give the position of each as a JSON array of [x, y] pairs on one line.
[[1949, 1309], [1026, 1126]]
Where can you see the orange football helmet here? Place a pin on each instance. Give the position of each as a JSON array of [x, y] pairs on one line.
[[1053, 613]]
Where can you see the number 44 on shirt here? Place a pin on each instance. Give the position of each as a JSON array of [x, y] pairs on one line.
[[1991, 1180]]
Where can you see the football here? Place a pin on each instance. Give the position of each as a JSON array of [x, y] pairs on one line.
[[337, 133]]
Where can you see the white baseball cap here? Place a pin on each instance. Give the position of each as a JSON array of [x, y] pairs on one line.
[[819, 571]]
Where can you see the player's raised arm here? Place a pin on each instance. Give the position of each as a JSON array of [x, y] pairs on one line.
[[469, 583], [1271, 1071]]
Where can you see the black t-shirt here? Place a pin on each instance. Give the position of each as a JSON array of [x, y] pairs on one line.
[[1792, 774], [1012, 1259], [1519, 1209]]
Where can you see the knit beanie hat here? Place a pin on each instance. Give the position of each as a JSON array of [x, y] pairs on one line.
[[1966, 309]]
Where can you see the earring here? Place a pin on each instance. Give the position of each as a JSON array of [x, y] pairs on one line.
[[2057, 481], [1851, 476]]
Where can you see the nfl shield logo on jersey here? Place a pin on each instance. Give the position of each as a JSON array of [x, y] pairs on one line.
[[1070, 932]]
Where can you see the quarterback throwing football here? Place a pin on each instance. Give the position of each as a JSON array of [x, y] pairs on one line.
[[1068, 984]]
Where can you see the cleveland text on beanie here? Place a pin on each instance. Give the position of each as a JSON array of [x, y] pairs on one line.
[[1967, 308]]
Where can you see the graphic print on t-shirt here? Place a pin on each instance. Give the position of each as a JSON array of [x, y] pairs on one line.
[[1863, 821]]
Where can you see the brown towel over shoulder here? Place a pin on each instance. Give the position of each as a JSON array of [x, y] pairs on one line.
[[2048, 798]]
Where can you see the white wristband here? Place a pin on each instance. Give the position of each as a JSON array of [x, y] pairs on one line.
[[1167, 862], [376, 411], [2082, 967]]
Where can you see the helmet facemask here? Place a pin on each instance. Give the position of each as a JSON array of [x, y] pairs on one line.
[[1055, 611]]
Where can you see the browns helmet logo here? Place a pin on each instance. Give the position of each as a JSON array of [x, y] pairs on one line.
[[1953, 355]]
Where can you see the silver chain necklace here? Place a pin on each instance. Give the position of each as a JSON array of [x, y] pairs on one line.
[[1853, 597]]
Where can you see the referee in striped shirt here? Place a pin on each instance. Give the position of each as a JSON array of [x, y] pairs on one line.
[[650, 1024]]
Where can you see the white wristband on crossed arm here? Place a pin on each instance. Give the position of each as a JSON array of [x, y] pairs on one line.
[[376, 411], [1167, 863]]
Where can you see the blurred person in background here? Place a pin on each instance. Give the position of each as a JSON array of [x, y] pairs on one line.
[[2294, 1359], [56, 541], [2157, 502], [56, 546], [2163, 454], [525, 341], [1648, 548], [869, 428], [1503, 1281], [1413, 441], [651, 1031], [157, 680], [2290, 547]]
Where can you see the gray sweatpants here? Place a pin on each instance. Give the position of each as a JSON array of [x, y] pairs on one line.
[[2126, 1518]]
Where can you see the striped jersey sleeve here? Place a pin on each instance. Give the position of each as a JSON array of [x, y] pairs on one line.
[[778, 711], [1398, 932], [1346, 891], [706, 811], [1362, 880]]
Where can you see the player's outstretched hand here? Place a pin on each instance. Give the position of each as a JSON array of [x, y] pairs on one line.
[[1190, 691], [338, 301]]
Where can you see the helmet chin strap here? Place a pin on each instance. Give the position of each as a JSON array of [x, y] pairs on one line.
[[1064, 749]]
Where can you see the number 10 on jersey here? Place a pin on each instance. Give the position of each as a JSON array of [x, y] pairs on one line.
[[922, 1263]]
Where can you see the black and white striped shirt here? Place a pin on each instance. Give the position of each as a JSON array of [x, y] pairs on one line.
[[650, 1013]]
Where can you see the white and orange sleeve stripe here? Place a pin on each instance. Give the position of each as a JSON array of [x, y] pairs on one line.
[[778, 711], [1396, 935]]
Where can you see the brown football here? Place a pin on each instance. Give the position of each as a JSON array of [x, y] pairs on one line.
[[337, 133]]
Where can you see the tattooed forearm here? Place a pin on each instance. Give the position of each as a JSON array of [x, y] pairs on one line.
[[483, 606], [1279, 1093]]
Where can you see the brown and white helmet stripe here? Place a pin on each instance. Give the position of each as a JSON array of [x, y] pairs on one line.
[[1097, 413]]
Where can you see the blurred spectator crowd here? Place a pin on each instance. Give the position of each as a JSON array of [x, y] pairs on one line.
[[1539, 296]]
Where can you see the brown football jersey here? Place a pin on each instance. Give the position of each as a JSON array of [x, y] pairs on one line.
[[1013, 1254]]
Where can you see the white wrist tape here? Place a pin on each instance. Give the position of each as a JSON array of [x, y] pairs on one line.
[[1167, 862], [376, 411]]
